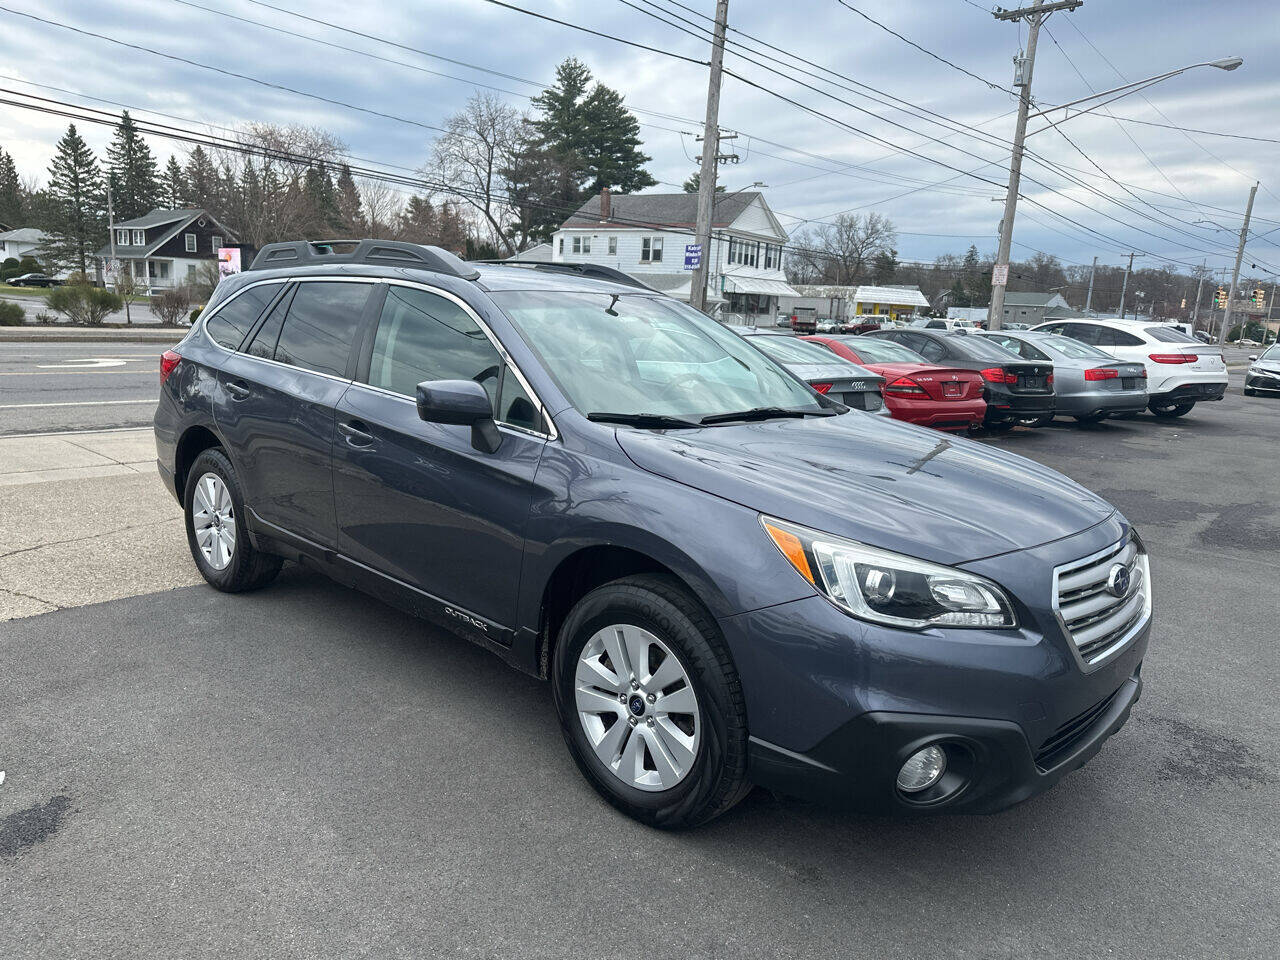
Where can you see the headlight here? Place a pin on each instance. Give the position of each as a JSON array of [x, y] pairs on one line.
[[884, 587]]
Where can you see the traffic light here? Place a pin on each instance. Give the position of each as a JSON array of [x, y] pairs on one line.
[[1220, 298], [1259, 296]]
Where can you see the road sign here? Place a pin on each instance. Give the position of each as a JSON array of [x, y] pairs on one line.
[[692, 256], [1000, 275]]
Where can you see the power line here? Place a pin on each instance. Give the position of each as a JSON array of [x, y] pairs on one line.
[[597, 33], [924, 50]]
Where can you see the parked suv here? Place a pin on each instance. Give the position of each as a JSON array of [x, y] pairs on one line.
[[727, 578], [1181, 371]]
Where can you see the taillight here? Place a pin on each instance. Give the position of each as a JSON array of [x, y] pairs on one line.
[[1174, 357], [1101, 373], [1048, 381], [998, 375], [168, 363], [821, 387], [903, 386]]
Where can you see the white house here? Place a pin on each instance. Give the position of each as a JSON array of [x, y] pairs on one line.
[[20, 243], [165, 248], [645, 235]]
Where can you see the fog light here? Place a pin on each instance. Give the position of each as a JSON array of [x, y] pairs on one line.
[[922, 770]]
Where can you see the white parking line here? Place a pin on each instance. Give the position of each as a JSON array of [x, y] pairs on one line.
[[73, 403]]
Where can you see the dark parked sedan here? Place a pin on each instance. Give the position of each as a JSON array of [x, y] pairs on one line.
[[33, 280], [1017, 391]]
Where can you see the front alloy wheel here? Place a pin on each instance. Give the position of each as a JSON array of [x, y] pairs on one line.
[[637, 707]]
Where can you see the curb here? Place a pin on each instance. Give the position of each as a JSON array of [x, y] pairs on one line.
[[34, 334]]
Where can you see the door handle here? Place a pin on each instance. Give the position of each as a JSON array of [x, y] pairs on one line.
[[238, 389], [355, 432]]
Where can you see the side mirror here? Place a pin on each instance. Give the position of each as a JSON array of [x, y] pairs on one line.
[[463, 403], [1253, 356]]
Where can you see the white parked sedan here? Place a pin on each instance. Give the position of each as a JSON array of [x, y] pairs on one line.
[[1181, 371]]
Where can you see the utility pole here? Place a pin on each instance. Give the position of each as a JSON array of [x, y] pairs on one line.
[[1195, 308], [1235, 274], [1034, 15], [1088, 300], [710, 157], [1124, 287], [1267, 320]]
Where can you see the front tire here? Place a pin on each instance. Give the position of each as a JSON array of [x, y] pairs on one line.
[[1250, 392], [1169, 411], [216, 529], [650, 703]]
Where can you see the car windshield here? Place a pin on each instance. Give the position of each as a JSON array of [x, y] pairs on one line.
[[791, 350], [1074, 348], [639, 355], [1169, 335], [980, 348], [872, 350], [1271, 353]]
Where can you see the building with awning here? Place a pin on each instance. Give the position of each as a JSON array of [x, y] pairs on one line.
[[651, 237], [895, 303]]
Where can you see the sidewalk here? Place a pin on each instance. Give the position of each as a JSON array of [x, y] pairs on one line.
[[33, 333], [84, 518]]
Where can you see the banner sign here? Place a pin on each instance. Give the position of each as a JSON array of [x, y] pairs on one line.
[[692, 256]]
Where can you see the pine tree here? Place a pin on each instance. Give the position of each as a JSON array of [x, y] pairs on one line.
[[131, 171], [77, 224], [611, 152], [173, 188], [350, 213], [694, 183], [418, 221], [201, 186], [322, 203], [11, 205]]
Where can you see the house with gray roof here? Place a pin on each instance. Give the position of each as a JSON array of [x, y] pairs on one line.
[[1032, 308], [23, 242], [645, 235], [164, 248]]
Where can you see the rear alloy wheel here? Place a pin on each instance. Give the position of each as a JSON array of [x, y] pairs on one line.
[[650, 703], [216, 530], [1170, 410]]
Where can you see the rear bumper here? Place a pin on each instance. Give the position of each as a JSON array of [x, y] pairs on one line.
[[1010, 406], [990, 764], [1102, 402], [1190, 391], [940, 414]]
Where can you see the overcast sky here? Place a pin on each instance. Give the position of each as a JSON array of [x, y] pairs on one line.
[[813, 168]]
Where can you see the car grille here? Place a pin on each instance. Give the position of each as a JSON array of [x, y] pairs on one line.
[[1096, 620], [1070, 733]]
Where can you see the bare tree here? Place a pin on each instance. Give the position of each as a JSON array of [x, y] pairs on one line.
[[382, 205], [469, 158], [841, 252]]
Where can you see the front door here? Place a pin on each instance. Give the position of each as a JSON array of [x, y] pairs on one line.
[[416, 501], [276, 405]]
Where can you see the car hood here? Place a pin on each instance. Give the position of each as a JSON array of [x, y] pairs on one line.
[[880, 482]]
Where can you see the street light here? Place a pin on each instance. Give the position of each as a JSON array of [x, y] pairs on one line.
[[1226, 63]]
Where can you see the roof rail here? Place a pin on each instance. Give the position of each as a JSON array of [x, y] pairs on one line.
[[390, 253], [596, 271]]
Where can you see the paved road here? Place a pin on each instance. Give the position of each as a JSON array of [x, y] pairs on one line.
[[77, 386], [304, 772]]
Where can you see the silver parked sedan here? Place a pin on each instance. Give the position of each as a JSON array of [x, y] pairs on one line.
[[1088, 384], [840, 379]]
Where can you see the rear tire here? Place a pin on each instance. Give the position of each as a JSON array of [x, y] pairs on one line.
[[671, 767], [1169, 411], [213, 507]]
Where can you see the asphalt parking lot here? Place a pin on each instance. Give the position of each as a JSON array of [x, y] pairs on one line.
[[305, 772]]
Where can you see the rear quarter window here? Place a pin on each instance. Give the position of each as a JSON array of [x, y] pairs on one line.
[[236, 317], [1169, 335]]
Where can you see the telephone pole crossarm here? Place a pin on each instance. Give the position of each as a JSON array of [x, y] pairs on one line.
[[1038, 8]]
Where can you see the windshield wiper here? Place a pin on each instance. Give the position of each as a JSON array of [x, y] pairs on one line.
[[764, 413], [650, 421]]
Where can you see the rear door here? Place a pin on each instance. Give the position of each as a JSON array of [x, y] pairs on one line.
[[415, 500], [277, 399]]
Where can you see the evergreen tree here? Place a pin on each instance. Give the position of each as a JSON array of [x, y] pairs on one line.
[[173, 188], [884, 267], [611, 152], [959, 297], [77, 218], [11, 205], [323, 219], [694, 183], [131, 171], [201, 181], [350, 214]]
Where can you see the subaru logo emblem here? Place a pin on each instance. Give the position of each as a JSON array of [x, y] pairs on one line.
[[1118, 581]]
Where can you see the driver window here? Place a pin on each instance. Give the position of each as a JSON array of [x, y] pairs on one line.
[[422, 336]]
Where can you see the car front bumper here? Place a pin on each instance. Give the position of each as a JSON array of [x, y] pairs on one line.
[[836, 705], [1262, 379]]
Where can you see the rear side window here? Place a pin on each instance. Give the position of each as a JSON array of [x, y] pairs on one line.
[[1084, 332], [929, 348], [263, 343], [235, 318], [423, 336], [321, 325], [1111, 337]]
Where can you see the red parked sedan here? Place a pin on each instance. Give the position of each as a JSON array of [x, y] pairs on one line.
[[916, 390]]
